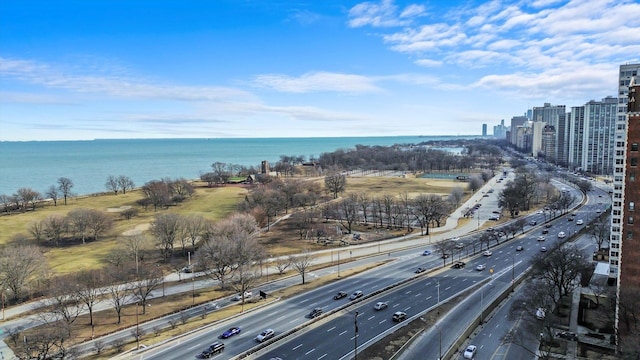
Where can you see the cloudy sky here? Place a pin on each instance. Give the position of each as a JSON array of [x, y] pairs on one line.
[[77, 69]]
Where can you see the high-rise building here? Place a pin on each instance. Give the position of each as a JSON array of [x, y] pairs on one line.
[[627, 250], [536, 137], [627, 72], [515, 122], [591, 136], [548, 141], [484, 129], [552, 115]]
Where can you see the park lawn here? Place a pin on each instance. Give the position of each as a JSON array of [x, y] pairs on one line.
[[211, 203], [378, 185]]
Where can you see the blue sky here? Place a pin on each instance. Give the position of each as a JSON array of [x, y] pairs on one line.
[[81, 69]]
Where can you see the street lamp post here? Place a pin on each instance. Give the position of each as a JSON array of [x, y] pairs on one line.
[[355, 337], [338, 264], [481, 303], [137, 329], [3, 304], [478, 220], [193, 289]]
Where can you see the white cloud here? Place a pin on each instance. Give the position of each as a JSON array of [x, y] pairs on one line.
[[117, 86], [428, 62], [317, 81], [383, 14]]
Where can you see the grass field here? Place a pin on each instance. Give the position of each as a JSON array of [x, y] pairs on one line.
[[212, 203]]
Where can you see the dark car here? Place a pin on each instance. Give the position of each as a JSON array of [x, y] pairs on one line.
[[545, 231], [444, 256], [458, 265], [315, 313], [399, 316], [420, 270], [213, 349], [567, 335], [548, 226], [229, 333], [340, 295], [519, 248]]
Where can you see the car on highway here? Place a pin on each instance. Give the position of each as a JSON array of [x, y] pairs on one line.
[[340, 295], [399, 316], [545, 231], [470, 352], [579, 222], [215, 348], [485, 195], [444, 256], [420, 270], [541, 238], [543, 249], [455, 238], [519, 248], [548, 225], [426, 252], [533, 223], [561, 235], [494, 217], [247, 295], [570, 219], [265, 335], [541, 313], [229, 333], [356, 295], [315, 313], [381, 305], [487, 253], [480, 267], [458, 245], [458, 265]]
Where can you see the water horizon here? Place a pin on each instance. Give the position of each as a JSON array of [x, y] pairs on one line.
[[37, 164]]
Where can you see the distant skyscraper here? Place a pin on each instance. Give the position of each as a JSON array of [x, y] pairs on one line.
[[515, 122], [552, 115], [484, 129]]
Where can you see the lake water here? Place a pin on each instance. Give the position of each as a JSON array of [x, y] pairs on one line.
[[38, 164]]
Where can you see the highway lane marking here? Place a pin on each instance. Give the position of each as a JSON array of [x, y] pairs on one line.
[[418, 294], [429, 297], [407, 309], [408, 292], [310, 351], [305, 300], [465, 279], [296, 348], [333, 328], [281, 317], [195, 346], [371, 317], [322, 356], [382, 321], [427, 284], [353, 337], [292, 321], [447, 288], [342, 333], [394, 305]]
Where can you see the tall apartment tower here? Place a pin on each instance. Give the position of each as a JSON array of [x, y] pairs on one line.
[[629, 248], [516, 121], [484, 129], [592, 135], [554, 115], [627, 72]]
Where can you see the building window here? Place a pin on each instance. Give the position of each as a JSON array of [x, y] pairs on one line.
[[630, 235], [634, 162], [632, 206], [634, 147], [632, 176], [630, 220]]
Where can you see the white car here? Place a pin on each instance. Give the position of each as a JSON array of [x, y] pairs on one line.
[[380, 305], [579, 222], [541, 238], [265, 335], [247, 295], [469, 352], [355, 295], [480, 267], [487, 253], [561, 235], [455, 238], [541, 313]]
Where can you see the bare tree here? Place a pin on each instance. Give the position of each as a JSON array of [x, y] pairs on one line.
[[129, 213], [455, 196], [166, 228], [125, 183], [302, 263], [216, 257], [78, 220], [53, 194], [335, 184], [600, 230], [135, 246], [243, 279], [282, 265], [560, 269], [27, 198], [36, 229], [475, 183], [64, 186], [194, 227], [19, 266], [119, 290], [88, 284], [65, 304], [148, 279], [112, 184], [157, 193]]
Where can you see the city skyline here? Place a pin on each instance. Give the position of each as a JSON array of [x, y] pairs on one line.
[[82, 70]]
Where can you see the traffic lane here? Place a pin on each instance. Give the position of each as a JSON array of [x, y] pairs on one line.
[[412, 299], [288, 314]]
